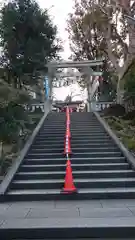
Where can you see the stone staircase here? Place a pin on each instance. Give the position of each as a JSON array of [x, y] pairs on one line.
[[100, 170]]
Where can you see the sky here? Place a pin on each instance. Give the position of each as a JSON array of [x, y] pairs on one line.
[[59, 10]]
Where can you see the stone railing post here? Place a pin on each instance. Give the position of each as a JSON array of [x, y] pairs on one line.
[[47, 106]]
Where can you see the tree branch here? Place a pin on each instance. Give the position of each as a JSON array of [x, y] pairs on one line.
[[109, 48], [121, 42]]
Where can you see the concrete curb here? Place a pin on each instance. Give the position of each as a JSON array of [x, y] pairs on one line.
[[130, 158], [9, 177]]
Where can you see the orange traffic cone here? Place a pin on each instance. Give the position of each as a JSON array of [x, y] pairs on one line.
[[68, 133], [69, 186], [68, 119], [67, 149]]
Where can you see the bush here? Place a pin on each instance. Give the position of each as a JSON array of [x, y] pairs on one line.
[[117, 126], [110, 121], [115, 110], [5, 162], [17, 111], [129, 115], [129, 142], [132, 122], [12, 120]]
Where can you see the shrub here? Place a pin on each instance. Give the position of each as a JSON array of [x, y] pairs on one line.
[[129, 142], [115, 110], [129, 115], [117, 126], [12, 120], [132, 122], [5, 162]]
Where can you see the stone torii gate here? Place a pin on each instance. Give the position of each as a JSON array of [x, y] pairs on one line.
[[85, 69]]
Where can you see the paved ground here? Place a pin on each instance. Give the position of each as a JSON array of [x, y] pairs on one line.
[[47, 214], [35, 212]]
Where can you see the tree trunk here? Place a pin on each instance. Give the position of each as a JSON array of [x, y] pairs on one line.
[[1, 149], [119, 98], [120, 88], [89, 95], [121, 72]]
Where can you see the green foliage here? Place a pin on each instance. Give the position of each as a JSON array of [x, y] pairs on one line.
[[108, 84], [99, 29], [115, 123], [118, 126], [10, 94], [129, 80], [87, 27], [107, 89], [5, 162], [129, 142], [86, 43], [130, 115], [12, 120], [27, 40], [115, 110]]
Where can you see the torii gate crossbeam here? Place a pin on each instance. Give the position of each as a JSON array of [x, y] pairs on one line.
[[75, 64]]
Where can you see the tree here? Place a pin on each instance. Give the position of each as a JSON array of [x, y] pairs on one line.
[[107, 84], [103, 32], [28, 41], [9, 94], [130, 81], [85, 41]]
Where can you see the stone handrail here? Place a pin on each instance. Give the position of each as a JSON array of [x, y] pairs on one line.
[[99, 106], [95, 106], [34, 106]]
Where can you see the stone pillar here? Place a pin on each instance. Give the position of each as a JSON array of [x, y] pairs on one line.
[[89, 94], [33, 108], [47, 106]]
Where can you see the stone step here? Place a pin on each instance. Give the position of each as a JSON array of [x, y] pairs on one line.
[[78, 145], [75, 160], [80, 135], [73, 141], [61, 167], [82, 194], [60, 133], [72, 127], [84, 129], [100, 170], [79, 183], [75, 150], [76, 174], [74, 137], [76, 155]]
